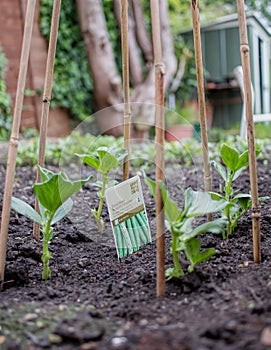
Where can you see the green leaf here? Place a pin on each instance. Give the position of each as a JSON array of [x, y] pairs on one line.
[[97, 183], [185, 225], [233, 207], [62, 211], [107, 161], [151, 184], [90, 160], [264, 198], [172, 212], [216, 226], [110, 158], [25, 209], [118, 153], [216, 196], [241, 195], [243, 161], [172, 273], [168, 226], [52, 193], [229, 156], [45, 174], [258, 151], [220, 170], [200, 203], [192, 251], [189, 198], [243, 199], [42, 210]]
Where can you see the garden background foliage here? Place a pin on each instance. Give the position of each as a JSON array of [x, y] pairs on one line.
[[73, 87]]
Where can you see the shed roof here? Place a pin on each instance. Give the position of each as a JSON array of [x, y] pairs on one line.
[[231, 21]]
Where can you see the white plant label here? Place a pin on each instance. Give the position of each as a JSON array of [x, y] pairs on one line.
[[128, 216]]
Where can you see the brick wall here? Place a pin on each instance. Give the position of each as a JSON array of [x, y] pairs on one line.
[[12, 19]]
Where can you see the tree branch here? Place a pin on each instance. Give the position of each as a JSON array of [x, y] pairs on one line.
[[169, 57], [180, 72], [142, 35]]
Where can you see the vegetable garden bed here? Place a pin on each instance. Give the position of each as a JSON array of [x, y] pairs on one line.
[[93, 301]]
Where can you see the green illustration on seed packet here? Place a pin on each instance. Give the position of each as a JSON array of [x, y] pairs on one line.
[[128, 216]]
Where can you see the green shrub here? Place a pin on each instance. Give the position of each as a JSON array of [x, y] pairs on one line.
[[72, 87]]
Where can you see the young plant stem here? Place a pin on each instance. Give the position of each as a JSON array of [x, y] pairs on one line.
[[46, 255], [100, 207], [229, 224], [228, 194], [178, 271], [104, 181], [228, 186]]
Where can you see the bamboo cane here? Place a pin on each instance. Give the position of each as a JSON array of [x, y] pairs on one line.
[[159, 142], [14, 138], [125, 75], [201, 97], [47, 97], [244, 49]]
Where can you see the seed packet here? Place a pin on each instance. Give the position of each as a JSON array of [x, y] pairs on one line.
[[128, 216]]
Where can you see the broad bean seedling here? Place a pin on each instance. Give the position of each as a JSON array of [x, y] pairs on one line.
[[54, 198]]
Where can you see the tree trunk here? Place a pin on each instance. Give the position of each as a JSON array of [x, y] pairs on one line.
[[144, 112], [107, 81]]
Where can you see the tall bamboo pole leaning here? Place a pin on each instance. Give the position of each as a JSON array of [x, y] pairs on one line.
[[125, 77], [201, 96], [47, 96], [159, 143], [14, 138], [244, 49]]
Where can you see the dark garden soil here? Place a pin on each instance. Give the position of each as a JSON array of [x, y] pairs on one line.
[[93, 301]]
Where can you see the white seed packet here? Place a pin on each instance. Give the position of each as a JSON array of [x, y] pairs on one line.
[[128, 216]]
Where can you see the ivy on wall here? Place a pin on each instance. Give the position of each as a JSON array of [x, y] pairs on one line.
[[72, 86]]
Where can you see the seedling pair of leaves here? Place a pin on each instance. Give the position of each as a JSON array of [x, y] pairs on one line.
[[54, 199], [236, 204], [104, 160], [180, 224]]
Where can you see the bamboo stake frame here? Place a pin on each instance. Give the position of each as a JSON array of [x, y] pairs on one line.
[[159, 116], [125, 75], [244, 50], [159, 143], [14, 138], [48, 83], [201, 97]]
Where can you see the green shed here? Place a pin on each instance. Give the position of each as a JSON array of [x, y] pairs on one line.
[[221, 55]]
